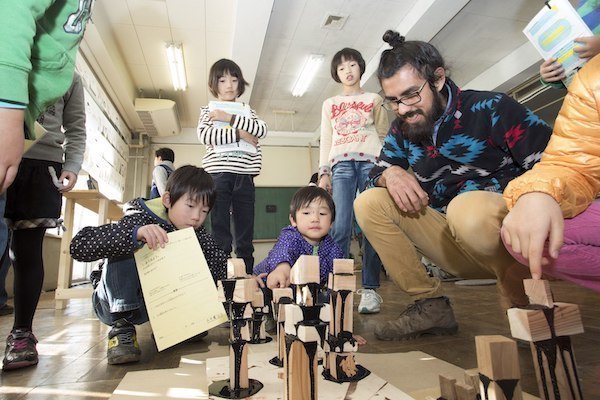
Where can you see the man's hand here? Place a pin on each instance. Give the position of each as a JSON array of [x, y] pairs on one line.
[[404, 189], [279, 277], [71, 179], [535, 217], [12, 136], [153, 235], [248, 137], [587, 46], [552, 71], [325, 182]]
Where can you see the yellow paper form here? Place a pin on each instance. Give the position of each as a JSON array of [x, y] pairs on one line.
[[179, 291]]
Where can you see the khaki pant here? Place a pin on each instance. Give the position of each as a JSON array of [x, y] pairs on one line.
[[465, 242]]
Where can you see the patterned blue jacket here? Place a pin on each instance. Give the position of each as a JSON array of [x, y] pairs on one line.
[[484, 140]]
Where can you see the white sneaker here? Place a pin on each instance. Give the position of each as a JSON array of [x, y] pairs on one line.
[[369, 301]]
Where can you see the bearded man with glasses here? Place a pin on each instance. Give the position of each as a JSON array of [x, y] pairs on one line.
[[463, 148]]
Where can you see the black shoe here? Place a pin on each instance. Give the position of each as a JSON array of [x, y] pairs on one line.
[[20, 350], [423, 317], [122, 343], [6, 309]]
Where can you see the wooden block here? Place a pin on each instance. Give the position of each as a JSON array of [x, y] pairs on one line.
[[305, 270], [447, 390], [279, 293], [465, 391], [304, 296], [325, 313], [341, 365], [533, 326], [344, 282], [240, 330], [343, 266], [498, 360], [244, 290], [259, 299], [538, 291], [238, 365], [301, 374], [307, 333], [556, 370], [341, 312], [472, 378], [236, 268], [293, 316]]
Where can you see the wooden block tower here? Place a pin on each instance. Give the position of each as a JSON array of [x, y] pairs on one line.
[[548, 326], [340, 365], [498, 363], [305, 328], [281, 297], [237, 293]]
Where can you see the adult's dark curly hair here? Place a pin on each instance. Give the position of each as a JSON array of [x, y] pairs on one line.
[[422, 56]]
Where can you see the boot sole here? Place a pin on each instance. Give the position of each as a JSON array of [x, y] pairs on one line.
[[414, 335], [367, 311], [123, 359], [18, 365]]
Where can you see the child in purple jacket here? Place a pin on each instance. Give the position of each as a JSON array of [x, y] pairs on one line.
[[312, 213]]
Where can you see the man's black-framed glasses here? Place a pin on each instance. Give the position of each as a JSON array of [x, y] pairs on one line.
[[409, 100]]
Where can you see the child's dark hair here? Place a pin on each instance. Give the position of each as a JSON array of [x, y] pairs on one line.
[[165, 154], [346, 54], [194, 181], [306, 195], [219, 69]]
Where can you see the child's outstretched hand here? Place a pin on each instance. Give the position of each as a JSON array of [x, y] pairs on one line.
[[279, 277], [259, 279], [153, 235]]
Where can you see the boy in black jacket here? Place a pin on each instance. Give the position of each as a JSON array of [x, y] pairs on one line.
[[118, 299]]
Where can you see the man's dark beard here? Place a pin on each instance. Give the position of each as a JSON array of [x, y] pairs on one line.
[[422, 132]]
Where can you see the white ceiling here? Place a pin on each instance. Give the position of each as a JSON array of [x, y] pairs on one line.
[[481, 40]]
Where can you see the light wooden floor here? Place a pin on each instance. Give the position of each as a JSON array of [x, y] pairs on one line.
[[72, 343]]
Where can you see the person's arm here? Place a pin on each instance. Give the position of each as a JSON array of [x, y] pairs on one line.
[[111, 240], [565, 181], [391, 172], [211, 135], [285, 251], [11, 133], [73, 122], [160, 176], [251, 125], [325, 146], [215, 256], [518, 131]]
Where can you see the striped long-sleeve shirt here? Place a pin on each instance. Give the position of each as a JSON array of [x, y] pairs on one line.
[[237, 162]]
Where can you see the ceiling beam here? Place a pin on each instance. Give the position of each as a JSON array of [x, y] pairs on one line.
[[424, 20], [248, 37]]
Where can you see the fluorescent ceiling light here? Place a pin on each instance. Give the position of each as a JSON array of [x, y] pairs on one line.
[[311, 65], [176, 65]]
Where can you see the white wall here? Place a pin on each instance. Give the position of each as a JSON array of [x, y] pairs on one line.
[[283, 166]]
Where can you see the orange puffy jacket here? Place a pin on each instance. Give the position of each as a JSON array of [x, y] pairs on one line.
[[569, 170]]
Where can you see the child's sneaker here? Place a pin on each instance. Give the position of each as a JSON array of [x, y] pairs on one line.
[[122, 343], [20, 350], [370, 301]]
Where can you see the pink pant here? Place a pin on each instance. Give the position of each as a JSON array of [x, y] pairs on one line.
[[579, 258]]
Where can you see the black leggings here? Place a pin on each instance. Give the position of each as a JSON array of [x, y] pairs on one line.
[[28, 267]]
